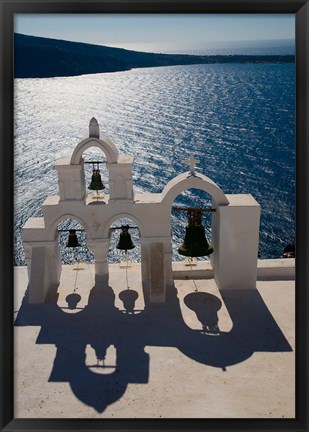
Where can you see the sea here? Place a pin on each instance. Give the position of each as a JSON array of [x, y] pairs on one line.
[[237, 119]]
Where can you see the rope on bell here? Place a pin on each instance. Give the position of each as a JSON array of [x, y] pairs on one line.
[[190, 260], [75, 283], [127, 279], [73, 299]]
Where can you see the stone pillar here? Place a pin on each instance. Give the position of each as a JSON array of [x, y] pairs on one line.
[[44, 269], [71, 180], [54, 262], [28, 256], [235, 239], [120, 179], [168, 257], [156, 265], [145, 257], [156, 272], [100, 249]]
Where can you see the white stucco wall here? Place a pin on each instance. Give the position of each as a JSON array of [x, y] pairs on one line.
[[236, 239], [235, 224]]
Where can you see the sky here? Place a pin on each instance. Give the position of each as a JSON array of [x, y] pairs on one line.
[[160, 33]]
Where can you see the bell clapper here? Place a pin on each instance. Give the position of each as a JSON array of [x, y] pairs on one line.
[[78, 266]]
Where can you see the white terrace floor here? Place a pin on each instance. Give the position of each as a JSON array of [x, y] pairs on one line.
[[159, 362]]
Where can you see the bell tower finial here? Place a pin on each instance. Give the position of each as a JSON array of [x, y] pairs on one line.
[[94, 130]]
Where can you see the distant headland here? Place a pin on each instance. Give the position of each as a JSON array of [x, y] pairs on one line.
[[38, 57]]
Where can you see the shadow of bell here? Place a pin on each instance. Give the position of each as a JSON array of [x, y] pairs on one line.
[[128, 298], [205, 306], [73, 300]]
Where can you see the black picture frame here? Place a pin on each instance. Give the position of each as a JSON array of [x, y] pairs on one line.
[[10, 7]]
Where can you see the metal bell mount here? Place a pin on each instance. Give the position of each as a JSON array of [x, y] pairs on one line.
[[289, 251]]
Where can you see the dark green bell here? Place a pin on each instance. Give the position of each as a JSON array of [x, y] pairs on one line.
[[96, 181], [289, 251], [73, 240], [195, 243], [125, 241]]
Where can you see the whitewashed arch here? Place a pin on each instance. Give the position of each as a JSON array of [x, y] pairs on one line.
[[53, 226], [104, 143], [114, 218], [188, 181]]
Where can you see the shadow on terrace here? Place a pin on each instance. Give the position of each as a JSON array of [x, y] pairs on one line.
[[101, 326]]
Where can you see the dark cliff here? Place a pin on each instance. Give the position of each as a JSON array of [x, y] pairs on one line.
[[37, 57]]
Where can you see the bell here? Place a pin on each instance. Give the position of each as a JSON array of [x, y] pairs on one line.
[[73, 240], [195, 243], [289, 251], [125, 241], [96, 181]]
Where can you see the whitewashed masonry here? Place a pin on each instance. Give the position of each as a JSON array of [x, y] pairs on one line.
[[235, 225]]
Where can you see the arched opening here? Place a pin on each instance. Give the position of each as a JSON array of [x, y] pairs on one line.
[[71, 255], [201, 303], [205, 192], [96, 172], [116, 255], [189, 198], [77, 275], [106, 145], [123, 257]]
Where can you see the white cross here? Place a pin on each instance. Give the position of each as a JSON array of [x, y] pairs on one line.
[[191, 161]]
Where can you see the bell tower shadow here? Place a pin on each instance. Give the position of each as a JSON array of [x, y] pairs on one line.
[[101, 325]]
